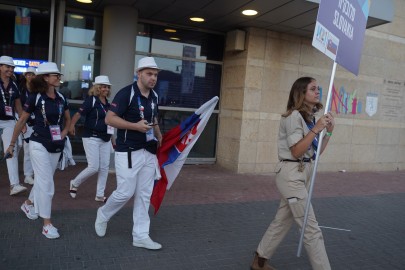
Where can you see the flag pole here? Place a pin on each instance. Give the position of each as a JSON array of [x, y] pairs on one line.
[[312, 183]]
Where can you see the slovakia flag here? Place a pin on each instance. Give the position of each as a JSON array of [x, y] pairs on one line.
[[176, 145]]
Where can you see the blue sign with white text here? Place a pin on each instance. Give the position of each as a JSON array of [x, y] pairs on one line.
[[21, 65]]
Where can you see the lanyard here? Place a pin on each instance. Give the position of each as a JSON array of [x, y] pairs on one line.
[[4, 96], [102, 107], [141, 109], [44, 112], [315, 141]]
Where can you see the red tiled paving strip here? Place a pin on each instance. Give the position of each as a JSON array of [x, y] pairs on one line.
[[212, 184], [206, 184]]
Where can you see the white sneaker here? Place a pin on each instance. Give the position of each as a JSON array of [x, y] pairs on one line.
[[29, 180], [100, 199], [50, 232], [147, 243], [17, 189], [99, 225], [72, 190], [29, 211]]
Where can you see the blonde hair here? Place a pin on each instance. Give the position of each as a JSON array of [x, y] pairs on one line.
[[95, 90]]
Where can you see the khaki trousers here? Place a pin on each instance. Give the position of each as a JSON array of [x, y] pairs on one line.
[[293, 185]]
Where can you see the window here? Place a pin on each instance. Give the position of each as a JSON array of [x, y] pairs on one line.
[[81, 54], [190, 62], [191, 68], [78, 67], [206, 143], [185, 83], [81, 29], [171, 41]]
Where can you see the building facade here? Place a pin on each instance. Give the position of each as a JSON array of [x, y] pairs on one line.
[[252, 83]]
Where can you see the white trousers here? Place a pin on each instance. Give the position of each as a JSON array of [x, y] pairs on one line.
[[12, 163], [28, 170], [98, 160], [134, 182], [44, 164]]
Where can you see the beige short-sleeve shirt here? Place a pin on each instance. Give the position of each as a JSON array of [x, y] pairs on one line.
[[292, 129]]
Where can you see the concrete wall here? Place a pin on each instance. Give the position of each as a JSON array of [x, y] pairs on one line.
[[257, 81]]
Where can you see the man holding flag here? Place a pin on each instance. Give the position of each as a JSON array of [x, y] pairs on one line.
[[134, 112]]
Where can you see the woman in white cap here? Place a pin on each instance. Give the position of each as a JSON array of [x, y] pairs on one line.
[[10, 104], [25, 91], [96, 137], [52, 121]]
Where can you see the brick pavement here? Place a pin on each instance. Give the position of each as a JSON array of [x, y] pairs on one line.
[[211, 219]]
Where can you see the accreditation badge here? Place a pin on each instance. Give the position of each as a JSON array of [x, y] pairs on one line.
[[110, 130], [55, 133], [8, 110], [150, 135]]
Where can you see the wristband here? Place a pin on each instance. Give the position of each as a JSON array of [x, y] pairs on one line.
[[328, 134], [313, 132]]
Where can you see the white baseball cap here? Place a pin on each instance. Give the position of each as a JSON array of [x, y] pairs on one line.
[[47, 68], [147, 62], [102, 79], [7, 60]]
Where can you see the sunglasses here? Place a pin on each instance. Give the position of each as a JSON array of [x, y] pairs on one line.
[[56, 75]]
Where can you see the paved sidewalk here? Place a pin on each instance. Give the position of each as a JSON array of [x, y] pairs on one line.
[[210, 219]]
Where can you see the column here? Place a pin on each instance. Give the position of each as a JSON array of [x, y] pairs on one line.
[[118, 48], [118, 45]]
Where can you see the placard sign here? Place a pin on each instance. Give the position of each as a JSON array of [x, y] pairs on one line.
[[339, 31]]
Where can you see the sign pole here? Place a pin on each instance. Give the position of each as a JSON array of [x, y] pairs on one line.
[[312, 183]]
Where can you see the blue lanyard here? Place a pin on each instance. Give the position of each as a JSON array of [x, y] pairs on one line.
[[315, 141], [102, 107]]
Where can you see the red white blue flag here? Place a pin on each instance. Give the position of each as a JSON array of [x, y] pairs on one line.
[[176, 146]]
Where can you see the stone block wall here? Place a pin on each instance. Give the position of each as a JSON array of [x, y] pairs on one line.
[[369, 133]]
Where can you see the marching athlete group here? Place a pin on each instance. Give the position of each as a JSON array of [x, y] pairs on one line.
[[36, 116]]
